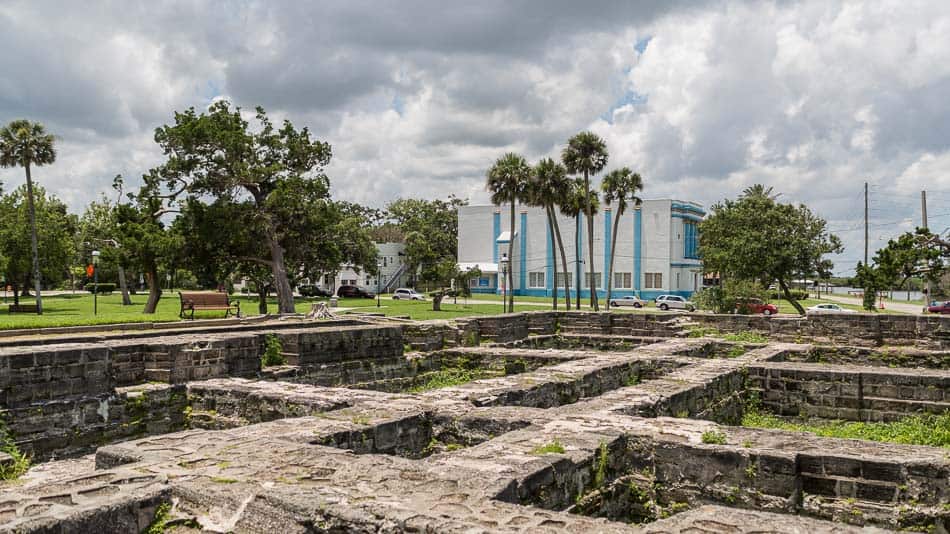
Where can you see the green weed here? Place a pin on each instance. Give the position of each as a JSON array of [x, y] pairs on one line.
[[273, 349], [714, 437], [553, 447], [931, 430]]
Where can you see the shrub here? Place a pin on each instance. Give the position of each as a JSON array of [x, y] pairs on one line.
[[101, 288], [726, 298], [272, 351]]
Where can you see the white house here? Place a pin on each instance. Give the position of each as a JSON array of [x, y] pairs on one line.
[[657, 249], [393, 274]]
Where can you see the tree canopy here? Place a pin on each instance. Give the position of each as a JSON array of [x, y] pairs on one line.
[[757, 238]]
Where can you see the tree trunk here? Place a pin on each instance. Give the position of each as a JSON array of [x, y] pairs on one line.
[[154, 288], [285, 295], [788, 297], [613, 254], [511, 261], [126, 300], [33, 244], [578, 252], [437, 301], [16, 295], [560, 245], [590, 243], [261, 298], [551, 243]]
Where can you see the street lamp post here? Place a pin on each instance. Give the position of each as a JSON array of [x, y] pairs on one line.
[[504, 282], [379, 273], [95, 282]]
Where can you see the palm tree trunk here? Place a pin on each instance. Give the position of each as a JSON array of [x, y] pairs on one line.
[[511, 261], [33, 244], [788, 297], [613, 253], [560, 246], [547, 210], [590, 243], [578, 252], [261, 298]]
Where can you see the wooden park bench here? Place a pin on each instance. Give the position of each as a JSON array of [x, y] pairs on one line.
[[22, 308], [208, 301]]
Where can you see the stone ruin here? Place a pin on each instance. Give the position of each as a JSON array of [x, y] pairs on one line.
[[552, 422]]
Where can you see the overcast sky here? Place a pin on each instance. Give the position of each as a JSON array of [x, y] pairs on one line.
[[418, 99]]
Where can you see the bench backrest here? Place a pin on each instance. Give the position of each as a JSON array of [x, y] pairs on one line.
[[205, 299]]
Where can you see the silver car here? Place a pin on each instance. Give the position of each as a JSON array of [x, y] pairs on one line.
[[407, 294], [674, 302], [827, 308], [629, 300]]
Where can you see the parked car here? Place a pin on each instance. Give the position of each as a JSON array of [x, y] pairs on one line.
[[629, 300], [674, 302], [407, 294], [827, 308], [310, 290], [354, 292], [755, 306], [939, 307]]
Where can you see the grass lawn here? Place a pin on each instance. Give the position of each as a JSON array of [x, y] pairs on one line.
[[77, 309], [785, 307]]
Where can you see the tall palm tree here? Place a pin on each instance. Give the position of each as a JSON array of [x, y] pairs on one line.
[[548, 183], [573, 203], [586, 153], [23, 144], [620, 186], [507, 181], [760, 191]]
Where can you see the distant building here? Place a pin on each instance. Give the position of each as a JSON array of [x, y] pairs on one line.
[[657, 249], [393, 272]]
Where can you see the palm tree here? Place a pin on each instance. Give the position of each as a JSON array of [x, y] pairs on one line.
[[586, 153], [573, 203], [507, 181], [548, 183], [620, 186], [759, 191], [23, 144]]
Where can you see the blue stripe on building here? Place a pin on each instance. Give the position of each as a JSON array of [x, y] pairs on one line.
[[523, 275], [608, 214], [637, 229], [549, 269], [496, 231]]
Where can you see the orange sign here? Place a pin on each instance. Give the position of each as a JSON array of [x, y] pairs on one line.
[[90, 270]]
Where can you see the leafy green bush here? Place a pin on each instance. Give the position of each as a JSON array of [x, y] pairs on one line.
[[728, 297], [273, 349], [101, 288], [714, 437]]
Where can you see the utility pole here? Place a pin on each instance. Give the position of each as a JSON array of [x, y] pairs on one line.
[[923, 223], [865, 224]]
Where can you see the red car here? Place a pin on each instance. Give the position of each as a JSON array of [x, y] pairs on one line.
[[940, 307], [756, 306]]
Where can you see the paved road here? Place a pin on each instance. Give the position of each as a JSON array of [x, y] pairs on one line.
[[903, 307]]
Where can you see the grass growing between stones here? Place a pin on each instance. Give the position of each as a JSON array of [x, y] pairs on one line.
[[553, 447], [452, 376], [930, 430], [19, 463]]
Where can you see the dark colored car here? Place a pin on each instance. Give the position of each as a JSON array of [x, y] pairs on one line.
[[939, 307], [310, 290], [755, 307], [354, 292]]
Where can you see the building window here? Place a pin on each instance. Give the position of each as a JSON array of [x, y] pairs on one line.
[[559, 280], [653, 281], [596, 279], [536, 279], [691, 241], [623, 280]]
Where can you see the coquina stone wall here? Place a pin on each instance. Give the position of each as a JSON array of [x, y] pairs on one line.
[[849, 392]]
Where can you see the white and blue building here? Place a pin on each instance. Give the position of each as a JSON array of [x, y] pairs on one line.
[[657, 249]]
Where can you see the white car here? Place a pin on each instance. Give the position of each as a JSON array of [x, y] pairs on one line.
[[629, 300], [407, 294], [674, 302], [827, 308]]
